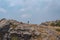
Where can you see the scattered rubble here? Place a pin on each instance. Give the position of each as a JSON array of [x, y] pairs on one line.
[[14, 30]]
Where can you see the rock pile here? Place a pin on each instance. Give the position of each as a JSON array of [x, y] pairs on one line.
[[14, 30]]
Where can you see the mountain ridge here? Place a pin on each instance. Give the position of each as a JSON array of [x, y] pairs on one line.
[[12, 29]]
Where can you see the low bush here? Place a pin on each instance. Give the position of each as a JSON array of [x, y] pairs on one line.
[[55, 24], [58, 30]]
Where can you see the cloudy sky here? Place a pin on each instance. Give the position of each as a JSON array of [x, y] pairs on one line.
[[36, 11]]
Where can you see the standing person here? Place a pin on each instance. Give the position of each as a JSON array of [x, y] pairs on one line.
[[28, 22]]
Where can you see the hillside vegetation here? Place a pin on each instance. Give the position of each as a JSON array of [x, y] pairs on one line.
[[14, 30]]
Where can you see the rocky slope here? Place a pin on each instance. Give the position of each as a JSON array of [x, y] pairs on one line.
[[26, 31]]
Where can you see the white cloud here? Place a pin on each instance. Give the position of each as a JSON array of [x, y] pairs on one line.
[[25, 16], [25, 9], [36, 6], [22, 9], [13, 3], [22, 2], [2, 10]]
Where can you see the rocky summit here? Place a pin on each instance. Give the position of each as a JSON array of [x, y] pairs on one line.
[[14, 30]]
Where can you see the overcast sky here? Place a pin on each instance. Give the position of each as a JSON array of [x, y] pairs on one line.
[[36, 11]]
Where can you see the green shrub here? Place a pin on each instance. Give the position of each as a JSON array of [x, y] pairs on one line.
[[58, 24], [58, 30], [55, 24], [52, 24]]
